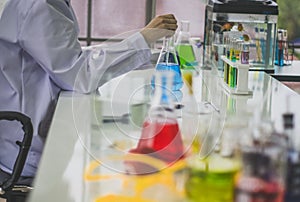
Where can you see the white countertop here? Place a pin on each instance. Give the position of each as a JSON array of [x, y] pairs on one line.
[[289, 70], [76, 139]]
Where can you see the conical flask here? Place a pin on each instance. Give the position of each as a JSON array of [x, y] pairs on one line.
[[161, 136], [184, 48], [167, 60]]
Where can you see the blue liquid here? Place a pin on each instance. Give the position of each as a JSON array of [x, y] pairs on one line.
[[279, 54], [177, 80], [175, 95]]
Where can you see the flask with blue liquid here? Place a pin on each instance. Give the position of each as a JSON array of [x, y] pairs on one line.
[[167, 60]]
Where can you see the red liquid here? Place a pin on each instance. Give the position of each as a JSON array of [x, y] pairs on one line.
[[161, 140], [253, 189]]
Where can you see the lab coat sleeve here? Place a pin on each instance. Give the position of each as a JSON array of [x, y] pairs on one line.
[[48, 33]]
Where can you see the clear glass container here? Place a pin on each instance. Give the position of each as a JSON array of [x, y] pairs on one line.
[[254, 20], [167, 60], [161, 136], [212, 173], [293, 159], [211, 179], [218, 50], [196, 116], [184, 48], [263, 156], [279, 53]]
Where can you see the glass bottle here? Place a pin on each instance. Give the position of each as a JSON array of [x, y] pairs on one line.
[[212, 173], [293, 160], [161, 137], [218, 50], [245, 53], [279, 49], [184, 48], [211, 179], [263, 161], [167, 60]]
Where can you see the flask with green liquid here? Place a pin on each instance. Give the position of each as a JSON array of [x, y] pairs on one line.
[[184, 48], [211, 179]]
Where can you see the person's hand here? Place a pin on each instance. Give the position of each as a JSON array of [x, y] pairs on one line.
[[160, 26]]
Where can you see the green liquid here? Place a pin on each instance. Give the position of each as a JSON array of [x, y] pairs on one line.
[[212, 185], [186, 55]]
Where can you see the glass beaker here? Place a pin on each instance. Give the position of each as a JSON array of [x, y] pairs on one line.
[[292, 177], [263, 165], [167, 60], [211, 179], [184, 48], [161, 137]]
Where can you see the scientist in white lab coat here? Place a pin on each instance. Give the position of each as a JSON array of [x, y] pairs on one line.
[[40, 56]]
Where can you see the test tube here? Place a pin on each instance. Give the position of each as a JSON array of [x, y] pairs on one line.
[[226, 71], [229, 75], [262, 35], [232, 50], [237, 49], [227, 51], [245, 53], [285, 46], [279, 51], [233, 79], [258, 46]]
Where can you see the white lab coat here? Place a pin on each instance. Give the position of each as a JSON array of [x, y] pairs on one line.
[[40, 56]]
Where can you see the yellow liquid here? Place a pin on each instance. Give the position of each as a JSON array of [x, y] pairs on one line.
[[196, 145], [212, 180]]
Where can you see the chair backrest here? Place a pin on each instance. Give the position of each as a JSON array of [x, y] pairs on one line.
[[24, 147]]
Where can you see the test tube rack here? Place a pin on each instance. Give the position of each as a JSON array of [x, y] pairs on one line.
[[235, 77]]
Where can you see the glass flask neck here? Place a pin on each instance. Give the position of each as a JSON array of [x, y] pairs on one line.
[[162, 103], [185, 26], [168, 54], [166, 43], [184, 33]]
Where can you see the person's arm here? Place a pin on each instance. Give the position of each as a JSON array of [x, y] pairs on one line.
[[48, 34]]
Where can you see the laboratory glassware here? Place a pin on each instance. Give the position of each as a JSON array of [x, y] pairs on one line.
[[293, 160], [184, 48], [211, 179], [279, 55], [190, 120], [161, 136], [167, 60], [255, 18], [263, 158]]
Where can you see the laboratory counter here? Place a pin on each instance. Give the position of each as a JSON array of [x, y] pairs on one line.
[[288, 73], [85, 151]]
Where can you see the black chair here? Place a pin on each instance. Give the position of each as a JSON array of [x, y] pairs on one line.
[[12, 186]]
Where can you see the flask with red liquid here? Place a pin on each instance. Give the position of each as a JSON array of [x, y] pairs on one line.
[[161, 137], [263, 156]]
